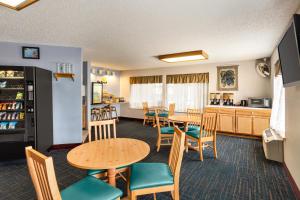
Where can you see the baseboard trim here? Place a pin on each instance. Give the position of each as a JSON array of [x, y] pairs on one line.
[[292, 182], [241, 135], [63, 146], [131, 118]]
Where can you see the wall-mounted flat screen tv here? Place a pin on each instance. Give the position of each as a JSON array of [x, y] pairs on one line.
[[96, 93], [288, 50]]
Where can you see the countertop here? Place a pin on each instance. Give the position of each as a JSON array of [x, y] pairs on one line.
[[236, 107]]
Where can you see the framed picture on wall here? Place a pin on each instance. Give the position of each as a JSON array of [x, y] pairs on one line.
[[97, 93], [227, 78], [31, 52]]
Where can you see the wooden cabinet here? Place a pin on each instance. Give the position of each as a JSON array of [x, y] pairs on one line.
[[236, 120], [227, 122], [260, 124], [244, 124]]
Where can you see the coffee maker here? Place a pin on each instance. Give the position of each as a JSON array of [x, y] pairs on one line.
[[227, 99], [215, 98]]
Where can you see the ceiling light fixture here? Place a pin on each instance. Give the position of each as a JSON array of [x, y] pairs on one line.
[[185, 56], [17, 4]]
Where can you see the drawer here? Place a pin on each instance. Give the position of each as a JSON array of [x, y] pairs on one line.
[[244, 112], [262, 113], [227, 111]]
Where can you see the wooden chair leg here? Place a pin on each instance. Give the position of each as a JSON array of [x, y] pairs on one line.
[[158, 143], [215, 149], [186, 144], [154, 196], [200, 150], [128, 183], [132, 196]]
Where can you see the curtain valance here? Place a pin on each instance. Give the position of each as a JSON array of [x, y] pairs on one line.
[[188, 78], [145, 79]]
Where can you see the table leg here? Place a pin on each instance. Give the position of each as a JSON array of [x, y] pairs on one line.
[[111, 173]]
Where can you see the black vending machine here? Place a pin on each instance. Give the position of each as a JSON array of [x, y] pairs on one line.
[[26, 116]]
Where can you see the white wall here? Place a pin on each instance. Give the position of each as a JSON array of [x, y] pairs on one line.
[[292, 127], [250, 83], [67, 125]]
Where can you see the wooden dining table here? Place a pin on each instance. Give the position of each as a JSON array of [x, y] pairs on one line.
[[108, 154], [186, 119]]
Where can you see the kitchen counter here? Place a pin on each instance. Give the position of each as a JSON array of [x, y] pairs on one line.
[[236, 107], [241, 120]]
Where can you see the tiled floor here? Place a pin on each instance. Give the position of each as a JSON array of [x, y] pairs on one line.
[[240, 172]]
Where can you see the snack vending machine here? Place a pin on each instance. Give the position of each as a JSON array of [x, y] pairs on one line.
[[26, 116]]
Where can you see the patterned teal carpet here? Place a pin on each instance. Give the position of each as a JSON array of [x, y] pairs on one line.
[[240, 172]]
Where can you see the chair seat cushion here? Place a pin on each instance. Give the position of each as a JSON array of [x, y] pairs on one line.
[[163, 114], [92, 172], [150, 113], [148, 175], [167, 130], [191, 128], [194, 134], [90, 188]]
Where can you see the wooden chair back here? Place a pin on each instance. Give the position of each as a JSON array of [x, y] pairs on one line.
[[176, 153], [171, 109], [145, 107], [196, 116], [42, 174], [105, 129], [157, 122], [209, 125]]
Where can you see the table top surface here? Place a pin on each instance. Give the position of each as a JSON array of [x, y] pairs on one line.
[[184, 118], [108, 154]]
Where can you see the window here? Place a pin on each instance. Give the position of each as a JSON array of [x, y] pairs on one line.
[[277, 121], [146, 89], [187, 91]]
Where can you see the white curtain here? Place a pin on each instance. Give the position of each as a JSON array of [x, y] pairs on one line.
[[151, 93], [278, 109], [187, 95]]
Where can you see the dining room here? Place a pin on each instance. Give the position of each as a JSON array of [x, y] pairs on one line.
[[143, 100]]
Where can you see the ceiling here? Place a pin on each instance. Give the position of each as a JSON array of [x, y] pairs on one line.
[[130, 34]]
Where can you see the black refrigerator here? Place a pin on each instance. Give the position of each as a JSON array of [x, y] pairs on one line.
[[26, 116]]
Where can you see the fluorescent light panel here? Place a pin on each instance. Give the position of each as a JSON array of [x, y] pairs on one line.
[[17, 4], [185, 56]]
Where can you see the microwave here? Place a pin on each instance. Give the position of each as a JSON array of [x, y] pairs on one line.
[[260, 102]]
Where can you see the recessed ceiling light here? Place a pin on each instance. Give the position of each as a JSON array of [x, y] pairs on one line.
[[185, 56], [17, 4]]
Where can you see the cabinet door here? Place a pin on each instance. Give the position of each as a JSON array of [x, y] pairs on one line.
[[260, 124], [244, 124], [227, 123]]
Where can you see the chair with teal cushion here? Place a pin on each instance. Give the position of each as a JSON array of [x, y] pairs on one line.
[[44, 180], [103, 130], [164, 134], [164, 114], [191, 128], [149, 116], [152, 114], [167, 130], [206, 134], [90, 188], [152, 178], [141, 178]]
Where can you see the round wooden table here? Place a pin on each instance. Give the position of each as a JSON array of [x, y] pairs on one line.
[[185, 119], [108, 154]]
